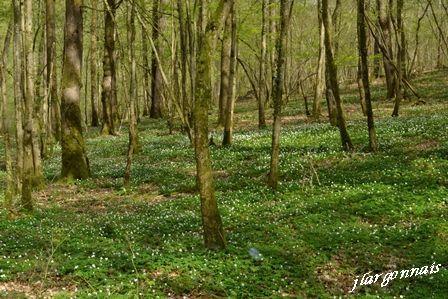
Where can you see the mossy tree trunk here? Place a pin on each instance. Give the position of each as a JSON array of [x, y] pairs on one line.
[[364, 67], [278, 93], [211, 220], [333, 78], [75, 164]]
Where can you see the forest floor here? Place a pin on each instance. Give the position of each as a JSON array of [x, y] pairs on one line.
[[334, 217]]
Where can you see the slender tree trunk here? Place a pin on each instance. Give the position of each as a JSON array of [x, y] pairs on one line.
[[94, 92], [333, 79], [186, 102], [364, 66], [262, 91], [18, 94], [278, 94], [146, 68], [133, 133], [362, 98], [320, 77], [211, 219], [225, 71], [157, 83], [75, 164], [385, 25], [400, 58], [231, 95], [5, 124], [51, 69], [32, 167], [108, 94], [376, 60]]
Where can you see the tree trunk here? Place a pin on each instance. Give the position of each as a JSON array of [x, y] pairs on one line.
[[278, 94], [385, 25], [359, 81], [262, 92], [108, 94], [333, 79], [146, 68], [51, 69], [319, 88], [400, 58], [75, 164], [5, 124], [186, 102], [211, 219], [231, 94], [157, 83], [94, 92], [225, 71], [364, 67], [18, 95], [32, 167], [133, 133]]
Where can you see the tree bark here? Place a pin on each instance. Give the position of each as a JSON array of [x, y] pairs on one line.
[[75, 164], [94, 91], [401, 52], [146, 80], [133, 133], [5, 124], [18, 94], [108, 94], [385, 25], [225, 71], [32, 167], [262, 91], [333, 79], [157, 83], [320, 76], [51, 69], [231, 94], [273, 176], [364, 68], [211, 219]]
